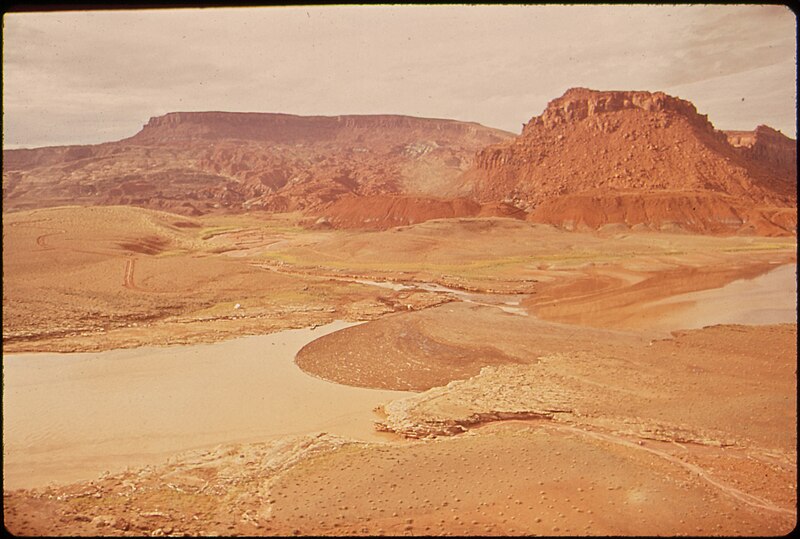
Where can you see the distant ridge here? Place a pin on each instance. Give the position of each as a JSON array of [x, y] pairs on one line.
[[591, 159], [285, 127], [199, 162]]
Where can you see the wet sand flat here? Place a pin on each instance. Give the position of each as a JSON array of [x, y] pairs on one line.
[[72, 416], [424, 349]]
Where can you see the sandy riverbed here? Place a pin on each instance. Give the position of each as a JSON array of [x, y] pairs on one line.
[[71, 416]]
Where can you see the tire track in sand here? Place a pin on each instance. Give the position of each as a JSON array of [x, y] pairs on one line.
[[40, 240], [127, 280], [748, 499]]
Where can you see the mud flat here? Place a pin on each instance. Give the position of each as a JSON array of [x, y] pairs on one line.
[[70, 417]]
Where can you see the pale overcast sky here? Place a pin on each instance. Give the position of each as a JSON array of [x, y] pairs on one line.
[[88, 77]]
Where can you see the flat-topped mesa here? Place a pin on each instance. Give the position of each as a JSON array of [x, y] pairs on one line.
[[580, 103], [287, 127]]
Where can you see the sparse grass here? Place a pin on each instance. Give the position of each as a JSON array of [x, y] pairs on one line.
[[469, 267], [277, 256], [225, 308], [762, 247], [210, 232], [179, 251], [284, 228], [563, 253], [277, 299]]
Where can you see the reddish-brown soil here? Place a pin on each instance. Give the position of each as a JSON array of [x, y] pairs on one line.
[[379, 212], [620, 428], [110, 277], [705, 212], [507, 479], [651, 446]]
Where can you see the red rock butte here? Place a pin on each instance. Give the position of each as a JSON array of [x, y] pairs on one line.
[[641, 158]]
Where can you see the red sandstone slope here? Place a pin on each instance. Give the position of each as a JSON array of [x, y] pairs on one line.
[[594, 158], [194, 162], [379, 212]]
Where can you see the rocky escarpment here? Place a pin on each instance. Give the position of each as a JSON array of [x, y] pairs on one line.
[[197, 162], [768, 147], [580, 103], [638, 147], [290, 128]]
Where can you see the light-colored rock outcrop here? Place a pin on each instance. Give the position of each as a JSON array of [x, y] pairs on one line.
[[549, 390]]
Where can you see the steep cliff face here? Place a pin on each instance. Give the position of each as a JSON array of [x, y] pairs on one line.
[[289, 128], [768, 147], [196, 162], [624, 151]]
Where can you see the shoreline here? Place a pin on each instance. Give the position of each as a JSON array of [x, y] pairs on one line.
[[78, 407]]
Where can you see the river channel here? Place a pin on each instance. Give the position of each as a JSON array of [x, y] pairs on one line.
[[72, 416]]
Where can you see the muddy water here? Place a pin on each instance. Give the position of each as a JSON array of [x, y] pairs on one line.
[[770, 298], [72, 416]]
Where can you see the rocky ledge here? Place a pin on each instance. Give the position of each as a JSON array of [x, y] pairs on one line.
[[288, 127], [579, 103], [542, 391]]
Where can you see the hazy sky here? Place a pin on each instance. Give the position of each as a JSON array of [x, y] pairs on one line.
[[87, 77]]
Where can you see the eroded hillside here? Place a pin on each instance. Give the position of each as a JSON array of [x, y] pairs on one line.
[[640, 158]]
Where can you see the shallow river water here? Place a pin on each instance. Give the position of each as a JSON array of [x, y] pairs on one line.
[[770, 298], [73, 416]]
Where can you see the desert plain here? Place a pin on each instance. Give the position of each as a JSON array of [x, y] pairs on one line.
[[545, 381], [393, 363]]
